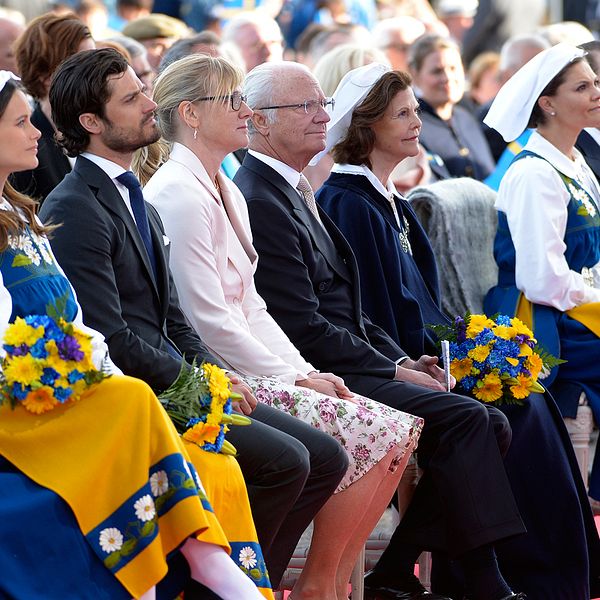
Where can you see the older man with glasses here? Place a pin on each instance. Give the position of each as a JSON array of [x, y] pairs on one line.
[[308, 276]]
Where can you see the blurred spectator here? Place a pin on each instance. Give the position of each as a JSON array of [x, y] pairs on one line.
[[449, 133], [157, 33], [569, 32], [301, 13], [457, 15], [395, 36], [205, 42], [498, 20], [9, 32], [257, 36], [46, 42], [334, 36], [95, 15], [419, 9], [28, 8], [130, 10], [484, 79], [304, 40], [139, 60]]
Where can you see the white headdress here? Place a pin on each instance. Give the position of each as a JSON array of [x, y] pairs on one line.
[[350, 92], [5, 76], [511, 109]]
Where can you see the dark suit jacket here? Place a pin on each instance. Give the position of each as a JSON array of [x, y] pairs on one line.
[[309, 279], [102, 253], [53, 163], [590, 149]]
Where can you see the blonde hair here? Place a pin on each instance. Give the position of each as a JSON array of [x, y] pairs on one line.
[[190, 78], [332, 66], [147, 160]]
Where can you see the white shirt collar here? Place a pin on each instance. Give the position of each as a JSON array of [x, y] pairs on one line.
[[595, 133], [366, 172], [112, 169], [290, 175]]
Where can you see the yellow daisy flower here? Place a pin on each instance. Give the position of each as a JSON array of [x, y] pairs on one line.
[[504, 332], [520, 328], [21, 333], [522, 388], [477, 323], [218, 382], [534, 364], [40, 401], [24, 369], [200, 433], [489, 388], [461, 368], [479, 353]]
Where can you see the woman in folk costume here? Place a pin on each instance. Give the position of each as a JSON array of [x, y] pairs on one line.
[[98, 497], [201, 110], [547, 245]]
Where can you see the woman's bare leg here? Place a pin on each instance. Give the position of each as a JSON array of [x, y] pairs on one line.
[[341, 528]]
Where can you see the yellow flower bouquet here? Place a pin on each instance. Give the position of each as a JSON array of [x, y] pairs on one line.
[[46, 363], [199, 404], [495, 359]]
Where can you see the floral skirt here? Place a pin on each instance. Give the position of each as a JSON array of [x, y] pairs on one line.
[[366, 429]]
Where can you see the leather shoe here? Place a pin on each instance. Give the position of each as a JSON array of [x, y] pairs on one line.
[[513, 596], [405, 588]]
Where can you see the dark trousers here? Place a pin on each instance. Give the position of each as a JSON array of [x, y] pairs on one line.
[[464, 499], [290, 469]]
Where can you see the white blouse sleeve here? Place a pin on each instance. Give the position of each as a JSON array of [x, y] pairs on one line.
[[535, 200]]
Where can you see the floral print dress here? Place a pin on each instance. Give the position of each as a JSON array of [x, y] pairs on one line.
[[366, 429]]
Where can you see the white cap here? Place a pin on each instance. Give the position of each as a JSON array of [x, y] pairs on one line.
[[350, 92], [512, 107], [451, 8], [5, 76]]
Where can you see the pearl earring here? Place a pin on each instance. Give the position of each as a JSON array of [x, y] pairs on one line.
[[552, 114], [195, 133]]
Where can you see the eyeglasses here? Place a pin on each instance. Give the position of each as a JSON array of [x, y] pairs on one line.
[[310, 106], [236, 99]]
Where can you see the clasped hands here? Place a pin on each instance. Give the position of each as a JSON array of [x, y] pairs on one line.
[[424, 372]]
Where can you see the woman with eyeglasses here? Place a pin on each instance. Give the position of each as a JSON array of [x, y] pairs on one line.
[[203, 113]]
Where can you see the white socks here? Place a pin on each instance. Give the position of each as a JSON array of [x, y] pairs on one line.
[[211, 566]]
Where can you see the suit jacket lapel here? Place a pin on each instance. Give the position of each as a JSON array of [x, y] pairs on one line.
[[318, 234], [107, 194]]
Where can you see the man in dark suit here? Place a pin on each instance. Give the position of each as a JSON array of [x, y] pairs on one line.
[[308, 276], [117, 258]]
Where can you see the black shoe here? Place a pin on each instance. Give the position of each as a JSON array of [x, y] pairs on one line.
[[403, 588], [513, 596]]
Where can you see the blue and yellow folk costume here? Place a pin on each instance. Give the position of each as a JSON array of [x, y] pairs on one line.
[[563, 555], [573, 335], [97, 496]]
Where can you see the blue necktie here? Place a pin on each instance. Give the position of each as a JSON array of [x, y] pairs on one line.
[[136, 198]]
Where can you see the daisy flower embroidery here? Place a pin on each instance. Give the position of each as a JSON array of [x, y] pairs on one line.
[[144, 508], [159, 483], [247, 557], [111, 539]]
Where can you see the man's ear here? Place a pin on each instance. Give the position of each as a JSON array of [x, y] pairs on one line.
[[261, 123], [91, 123]]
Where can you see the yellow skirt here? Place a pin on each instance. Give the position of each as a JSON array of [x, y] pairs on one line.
[[116, 459]]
